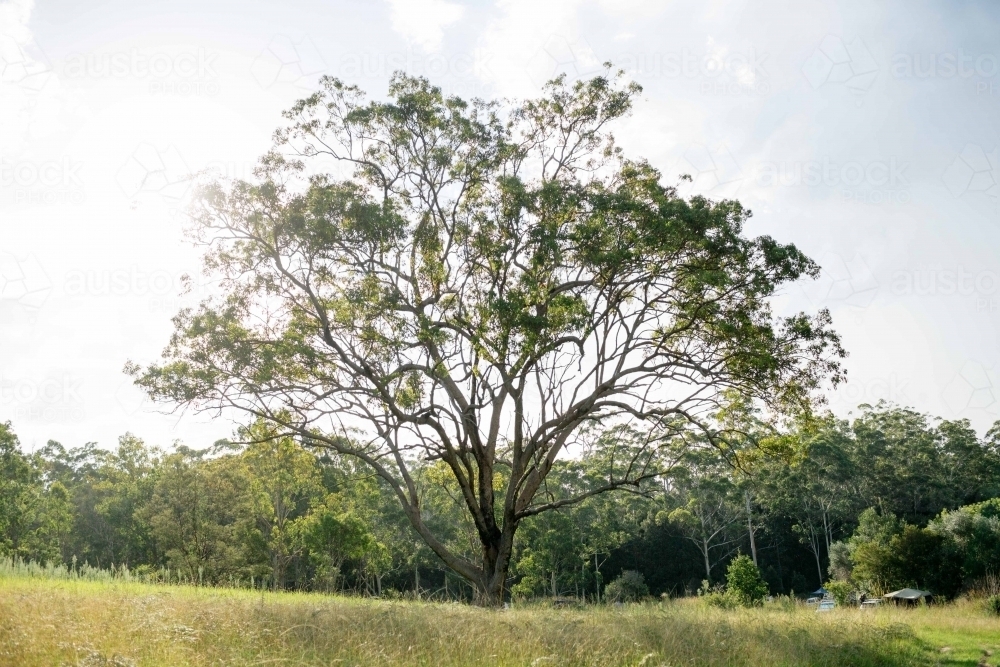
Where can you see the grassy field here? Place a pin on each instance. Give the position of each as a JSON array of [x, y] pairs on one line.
[[103, 624]]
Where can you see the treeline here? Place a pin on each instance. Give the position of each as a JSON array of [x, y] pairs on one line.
[[889, 499]]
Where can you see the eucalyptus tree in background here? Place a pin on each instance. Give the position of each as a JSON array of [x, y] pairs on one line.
[[426, 278], [813, 485], [710, 508], [34, 517], [283, 482]]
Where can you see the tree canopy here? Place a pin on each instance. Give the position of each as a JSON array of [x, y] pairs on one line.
[[491, 286]]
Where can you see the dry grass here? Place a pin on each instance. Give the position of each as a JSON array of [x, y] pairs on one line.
[[45, 622]]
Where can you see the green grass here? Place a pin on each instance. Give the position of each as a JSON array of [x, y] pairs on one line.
[[51, 622]]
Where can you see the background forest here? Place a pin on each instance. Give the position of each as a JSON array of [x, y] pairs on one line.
[[890, 498]]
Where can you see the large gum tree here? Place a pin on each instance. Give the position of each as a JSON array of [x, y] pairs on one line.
[[483, 284]]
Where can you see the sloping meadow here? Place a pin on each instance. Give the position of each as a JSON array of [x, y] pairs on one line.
[[46, 622]]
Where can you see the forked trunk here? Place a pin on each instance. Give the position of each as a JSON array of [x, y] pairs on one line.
[[491, 590]]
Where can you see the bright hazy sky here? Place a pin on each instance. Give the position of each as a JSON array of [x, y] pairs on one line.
[[864, 132]]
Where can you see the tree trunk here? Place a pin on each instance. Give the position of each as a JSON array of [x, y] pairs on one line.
[[490, 593], [708, 565], [827, 530], [815, 549], [753, 544], [781, 573], [497, 551]]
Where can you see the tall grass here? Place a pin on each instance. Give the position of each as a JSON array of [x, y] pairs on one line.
[[986, 587], [51, 615], [17, 568]]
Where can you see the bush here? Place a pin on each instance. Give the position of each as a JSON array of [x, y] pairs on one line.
[[974, 530], [841, 564], [719, 600], [888, 553], [744, 585], [840, 590], [628, 587], [993, 605]]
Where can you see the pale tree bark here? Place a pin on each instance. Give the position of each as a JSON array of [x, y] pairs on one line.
[[489, 292], [750, 528]]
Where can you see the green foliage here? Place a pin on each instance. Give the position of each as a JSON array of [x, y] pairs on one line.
[[295, 516], [841, 566], [720, 600], [744, 585], [974, 530], [993, 605], [842, 591], [334, 535], [629, 586], [483, 263], [199, 514], [283, 481], [34, 519], [561, 553], [709, 505], [889, 554], [871, 552]]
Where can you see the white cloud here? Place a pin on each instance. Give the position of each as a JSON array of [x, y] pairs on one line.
[[423, 21], [530, 42]]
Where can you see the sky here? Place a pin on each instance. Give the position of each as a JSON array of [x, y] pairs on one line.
[[865, 133]]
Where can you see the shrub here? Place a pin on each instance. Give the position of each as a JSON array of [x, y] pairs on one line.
[[888, 553], [628, 587], [840, 590], [743, 582], [719, 600], [993, 605], [840, 561], [975, 532]]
